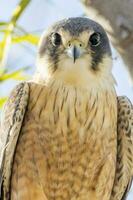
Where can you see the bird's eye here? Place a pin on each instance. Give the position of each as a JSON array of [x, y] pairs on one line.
[[95, 39], [56, 39]]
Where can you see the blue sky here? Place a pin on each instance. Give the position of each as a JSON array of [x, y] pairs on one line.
[[39, 15]]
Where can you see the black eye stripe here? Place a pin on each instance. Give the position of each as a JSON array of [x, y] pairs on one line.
[[56, 39], [95, 39]]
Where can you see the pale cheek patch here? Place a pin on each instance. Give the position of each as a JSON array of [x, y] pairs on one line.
[[103, 74], [105, 66], [44, 69]]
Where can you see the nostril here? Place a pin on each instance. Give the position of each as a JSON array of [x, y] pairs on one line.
[[69, 44], [80, 45]]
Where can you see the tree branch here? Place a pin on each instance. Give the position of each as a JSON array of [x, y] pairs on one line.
[[116, 16]]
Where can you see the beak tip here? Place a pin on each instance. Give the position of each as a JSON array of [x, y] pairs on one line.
[[74, 53]]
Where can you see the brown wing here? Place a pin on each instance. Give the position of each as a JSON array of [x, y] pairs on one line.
[[124, 166], [12, 118]]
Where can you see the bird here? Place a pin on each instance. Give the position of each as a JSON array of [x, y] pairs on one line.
[[65, 134]]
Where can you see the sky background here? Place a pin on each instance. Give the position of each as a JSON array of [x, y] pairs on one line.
[[38, 16]]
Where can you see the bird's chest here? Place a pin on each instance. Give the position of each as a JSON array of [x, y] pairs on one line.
[[75, 131], [67, 135], [76, 115]]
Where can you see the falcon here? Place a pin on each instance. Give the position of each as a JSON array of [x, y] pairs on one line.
[[65, 135]]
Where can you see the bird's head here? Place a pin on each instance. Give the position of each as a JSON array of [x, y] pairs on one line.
[[74, 50]]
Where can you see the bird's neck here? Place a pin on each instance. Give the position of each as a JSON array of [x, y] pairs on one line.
[[79, 81]]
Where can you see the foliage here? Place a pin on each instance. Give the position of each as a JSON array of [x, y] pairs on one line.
[[12, 34]]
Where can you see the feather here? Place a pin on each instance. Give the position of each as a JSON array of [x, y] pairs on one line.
[[12, 118], [124, 165]]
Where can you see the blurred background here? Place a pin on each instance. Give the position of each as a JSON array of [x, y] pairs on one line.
[[23, 21]]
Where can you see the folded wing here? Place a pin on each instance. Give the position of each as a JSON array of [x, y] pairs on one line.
[[12, 118], [124, 165]]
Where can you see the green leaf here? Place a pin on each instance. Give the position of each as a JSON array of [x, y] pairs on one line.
[[2, 101], [2, 30], [17, 75], [18, 10], [3, 23], [10, 27], [30, 38], [2, 71], [18, 30]]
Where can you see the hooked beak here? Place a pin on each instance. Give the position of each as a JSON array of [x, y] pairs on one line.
[[74, 52]]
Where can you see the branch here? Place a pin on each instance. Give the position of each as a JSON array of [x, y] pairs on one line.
[[116, 16]]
